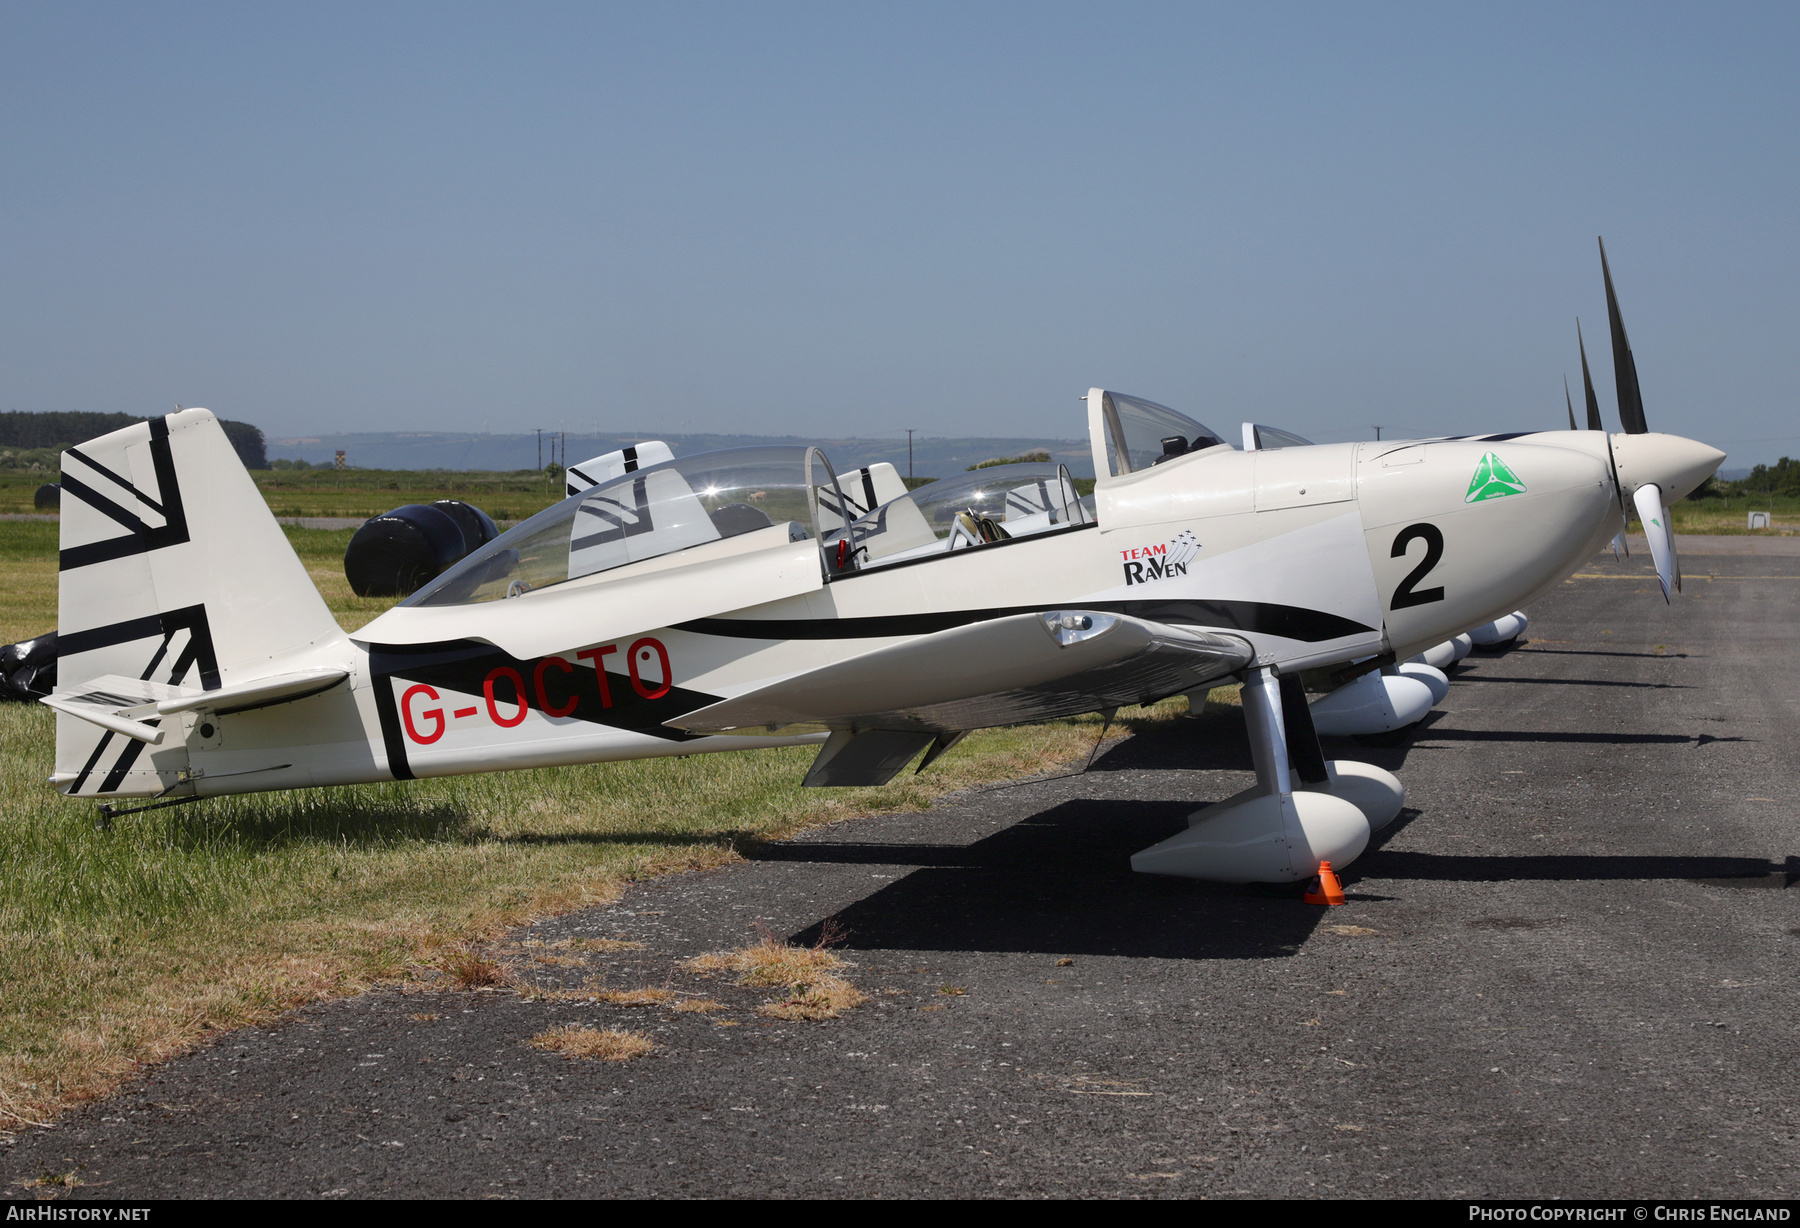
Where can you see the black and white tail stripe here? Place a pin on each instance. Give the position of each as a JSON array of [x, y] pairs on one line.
[[574, 488], [184, 652], [116, 498], [852, 506]]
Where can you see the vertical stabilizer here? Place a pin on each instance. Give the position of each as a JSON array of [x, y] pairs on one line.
[[174, 573]]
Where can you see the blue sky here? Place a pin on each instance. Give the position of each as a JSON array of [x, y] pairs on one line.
[[848, 219]]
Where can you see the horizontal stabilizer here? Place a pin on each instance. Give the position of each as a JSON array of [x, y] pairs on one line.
[[257, 693], [1024, 667], [124, 705], [101, 711]]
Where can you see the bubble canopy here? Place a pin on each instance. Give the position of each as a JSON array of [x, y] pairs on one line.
[[1130, 433], [996, 503], [676, 505]]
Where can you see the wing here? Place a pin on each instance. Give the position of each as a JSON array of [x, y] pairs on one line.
[[1005, 671]]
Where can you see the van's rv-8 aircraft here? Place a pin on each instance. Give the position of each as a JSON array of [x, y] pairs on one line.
[[751, 598]]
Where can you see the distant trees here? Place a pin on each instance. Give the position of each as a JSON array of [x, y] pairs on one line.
[[248, 440], [1040, 455], [61, 429], [1781, 478], [56, 430]]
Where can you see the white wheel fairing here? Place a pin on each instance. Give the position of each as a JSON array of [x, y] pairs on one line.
[[1438, 656], [1373, 703], [1376, 792], [1500, 631], [1436, 679], [1268, 839]]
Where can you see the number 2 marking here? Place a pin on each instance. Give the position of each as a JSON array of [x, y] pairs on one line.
[[1406, 595]]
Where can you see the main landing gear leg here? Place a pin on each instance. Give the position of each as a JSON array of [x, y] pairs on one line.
[[1375, 791], [1281, 829]]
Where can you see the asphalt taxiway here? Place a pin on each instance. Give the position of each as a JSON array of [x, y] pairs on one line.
[[1568, 970]]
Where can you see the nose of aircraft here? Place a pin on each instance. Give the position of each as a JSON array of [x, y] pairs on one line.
[[1675, 464]]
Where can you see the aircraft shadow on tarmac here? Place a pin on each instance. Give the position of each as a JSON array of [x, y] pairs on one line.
[[1713, 871], [1057, 883], [1060, 883], [1643, 686], [1557, 735], [1602, 652]]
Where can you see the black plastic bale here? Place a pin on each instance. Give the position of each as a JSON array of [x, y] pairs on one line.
[[397, 553], [28, 668], [478, 528], [48, 497]]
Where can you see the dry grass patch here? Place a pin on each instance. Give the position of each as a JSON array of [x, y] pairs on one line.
[[824, 997], [574, 1041], [698, 1006], [473, 970], [815, 992], [769, 963]]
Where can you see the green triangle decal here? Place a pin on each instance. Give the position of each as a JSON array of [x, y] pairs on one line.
[[1493, 480]]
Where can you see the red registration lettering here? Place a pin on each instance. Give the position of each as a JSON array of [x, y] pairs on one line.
[[640, 650], [435, 714], [518, 696], [598, 657], [543, 697]]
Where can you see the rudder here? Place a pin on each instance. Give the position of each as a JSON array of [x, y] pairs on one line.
[[173, 572]]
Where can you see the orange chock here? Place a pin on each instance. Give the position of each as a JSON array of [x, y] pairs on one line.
[[1325, 889]]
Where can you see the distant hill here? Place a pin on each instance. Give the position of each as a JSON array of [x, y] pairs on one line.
[[934, 457], [65, 429]]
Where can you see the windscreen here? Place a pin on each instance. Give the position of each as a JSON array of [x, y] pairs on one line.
[[1142, 433]]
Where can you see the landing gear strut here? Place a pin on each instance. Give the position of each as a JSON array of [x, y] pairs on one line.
[[1303, 809]]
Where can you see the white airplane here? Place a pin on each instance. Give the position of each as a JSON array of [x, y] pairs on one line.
[[742, 598], [717, 602]]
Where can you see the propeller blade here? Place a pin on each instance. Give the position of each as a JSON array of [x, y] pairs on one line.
[[1587, 384], [1655, 519], [1594, 424], [1570, 403], [1631, 401]]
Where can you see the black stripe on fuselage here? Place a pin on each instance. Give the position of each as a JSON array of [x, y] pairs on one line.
[[465, 666], [1261, 617]]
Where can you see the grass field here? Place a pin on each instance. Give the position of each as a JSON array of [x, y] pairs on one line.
[[120, 947], [1730, 515]]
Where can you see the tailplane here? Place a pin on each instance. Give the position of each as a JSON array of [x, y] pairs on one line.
[[175, 576]]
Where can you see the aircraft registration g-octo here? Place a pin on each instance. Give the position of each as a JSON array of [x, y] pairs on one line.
[[751, 598]]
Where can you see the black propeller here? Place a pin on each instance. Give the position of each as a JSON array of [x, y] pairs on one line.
[[1568, 402], [1631, 401], [1587, 383]]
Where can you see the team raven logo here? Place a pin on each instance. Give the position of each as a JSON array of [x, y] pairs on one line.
[[1162, 561]]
